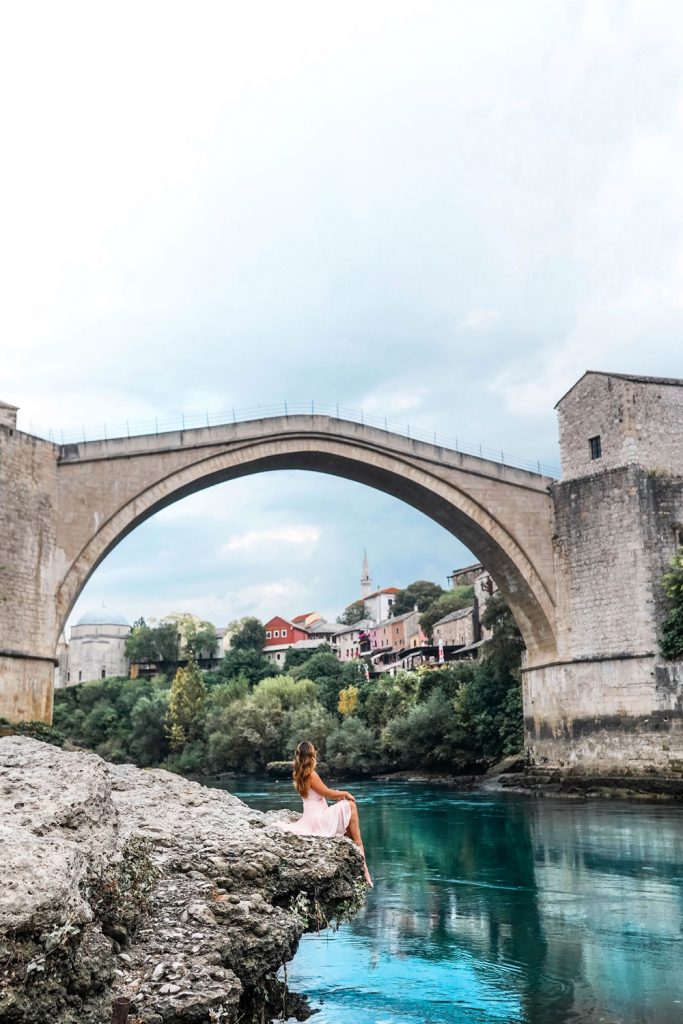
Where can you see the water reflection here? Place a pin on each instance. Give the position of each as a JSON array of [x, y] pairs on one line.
[[503, 909]]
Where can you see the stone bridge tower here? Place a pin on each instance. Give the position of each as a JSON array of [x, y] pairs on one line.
[[609, 696]]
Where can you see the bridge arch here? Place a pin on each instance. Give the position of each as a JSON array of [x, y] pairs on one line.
[[502, 518]]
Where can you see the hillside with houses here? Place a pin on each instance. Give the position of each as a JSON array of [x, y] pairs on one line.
[[375, 628]]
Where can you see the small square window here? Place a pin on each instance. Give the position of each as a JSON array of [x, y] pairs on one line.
[[595, 446], [276, 632], [284, 632], [268, 634]]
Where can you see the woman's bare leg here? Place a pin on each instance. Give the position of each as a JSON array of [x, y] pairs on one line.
[[353, 832]]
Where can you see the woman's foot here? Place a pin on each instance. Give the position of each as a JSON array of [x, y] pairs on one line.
[[368, 876]]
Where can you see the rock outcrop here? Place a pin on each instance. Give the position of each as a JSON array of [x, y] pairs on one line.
[[116, 881]]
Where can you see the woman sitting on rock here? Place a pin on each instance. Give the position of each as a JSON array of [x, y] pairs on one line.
[[319, 818]]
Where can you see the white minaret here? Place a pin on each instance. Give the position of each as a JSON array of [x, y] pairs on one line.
[[365, 581]]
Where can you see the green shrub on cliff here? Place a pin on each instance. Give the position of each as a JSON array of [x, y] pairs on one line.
[[672, 628]]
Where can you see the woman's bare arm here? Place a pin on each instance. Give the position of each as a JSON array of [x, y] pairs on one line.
[[319, 786]]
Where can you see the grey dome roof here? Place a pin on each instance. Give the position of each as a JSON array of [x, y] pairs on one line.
[[102, 617]]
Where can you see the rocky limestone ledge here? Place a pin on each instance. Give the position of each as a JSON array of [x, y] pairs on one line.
[[116, 881]]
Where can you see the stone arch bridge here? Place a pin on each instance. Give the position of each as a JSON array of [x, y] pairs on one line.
[[65, 507]]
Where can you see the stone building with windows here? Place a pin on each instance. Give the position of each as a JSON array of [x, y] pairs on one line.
[[96, 648]]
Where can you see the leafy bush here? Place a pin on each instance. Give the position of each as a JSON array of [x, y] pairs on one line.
[[326, 671], [247, 738], [387, 697], [284, 692], [309, 722], [36, 730], [672, 628], [352, 747], [429, 736]]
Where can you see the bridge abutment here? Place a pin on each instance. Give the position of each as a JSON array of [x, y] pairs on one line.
[[28, 573]]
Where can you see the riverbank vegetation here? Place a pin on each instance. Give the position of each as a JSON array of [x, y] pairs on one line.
[[459, 717], [672, 629]]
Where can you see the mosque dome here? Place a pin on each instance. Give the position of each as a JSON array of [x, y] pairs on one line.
[[102, 616]]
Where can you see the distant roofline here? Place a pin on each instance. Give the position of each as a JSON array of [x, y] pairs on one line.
[[666, 381], [282, 619], [468, 568], [376, 593], [396, 618], [459, 613]]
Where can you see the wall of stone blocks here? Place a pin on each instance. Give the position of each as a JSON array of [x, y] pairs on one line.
[[614, 534], [637, 422], [602, 716], [27, 573]]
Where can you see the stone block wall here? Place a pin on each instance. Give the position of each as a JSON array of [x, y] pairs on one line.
[[638, 420], [610, 701], [614, 534], [27, 574]]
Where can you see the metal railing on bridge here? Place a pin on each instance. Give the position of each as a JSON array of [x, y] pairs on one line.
[[187, 421]]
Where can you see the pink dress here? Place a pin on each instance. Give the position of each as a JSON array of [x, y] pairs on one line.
[[320, 818]]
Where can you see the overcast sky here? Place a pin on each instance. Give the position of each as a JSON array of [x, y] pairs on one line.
[[439, 212]]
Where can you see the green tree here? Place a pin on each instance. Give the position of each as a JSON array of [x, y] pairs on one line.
[[185, 718], [353, 613], [148, 741], [421, 593], [294, 657], [672, 627], [352, 747], [153, 643], [447, 679], [249, 663], [197, 636], [451, 601], [386, 697], [325, 669], [284, 692], [247, 635], [430, 735], [246, 739], [505, 646], [308, 722]]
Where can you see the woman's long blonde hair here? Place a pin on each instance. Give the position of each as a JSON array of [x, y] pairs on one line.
[[304, 765]]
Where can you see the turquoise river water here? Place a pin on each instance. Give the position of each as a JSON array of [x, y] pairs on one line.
[[497, 908]]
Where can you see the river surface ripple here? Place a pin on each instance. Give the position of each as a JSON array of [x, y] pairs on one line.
[[497, 908]]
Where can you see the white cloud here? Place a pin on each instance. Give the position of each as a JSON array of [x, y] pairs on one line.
[[255, 539], [480, 319]]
